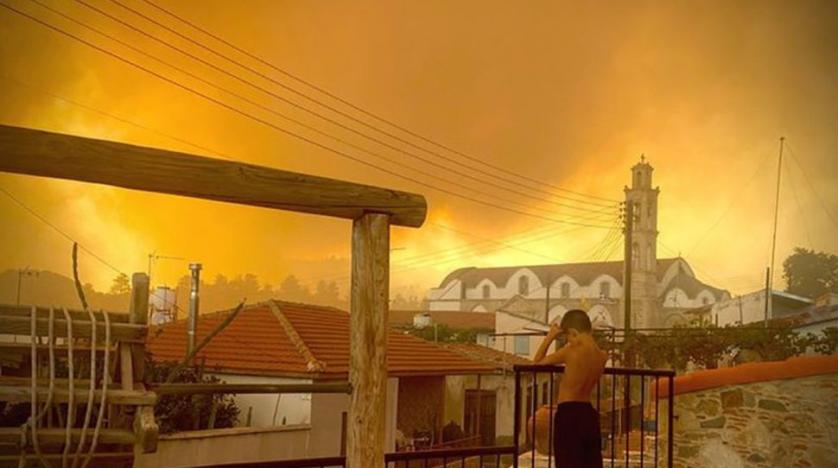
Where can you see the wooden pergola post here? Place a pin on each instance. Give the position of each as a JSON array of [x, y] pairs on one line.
[[368, 340]]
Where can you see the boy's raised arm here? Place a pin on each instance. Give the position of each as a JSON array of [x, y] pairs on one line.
[[545, 344]]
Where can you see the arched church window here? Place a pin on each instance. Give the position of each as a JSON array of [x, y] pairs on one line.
[[605, 289], [486, 291], [565, 290], [523, 285]]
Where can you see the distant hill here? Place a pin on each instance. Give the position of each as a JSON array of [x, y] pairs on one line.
[[51, 289]]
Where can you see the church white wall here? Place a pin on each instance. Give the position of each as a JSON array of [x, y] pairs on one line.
[[743, 309], [452, 290], [677, 298]]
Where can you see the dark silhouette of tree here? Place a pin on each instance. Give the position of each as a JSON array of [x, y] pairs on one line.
[[811, 274], [121, 284]]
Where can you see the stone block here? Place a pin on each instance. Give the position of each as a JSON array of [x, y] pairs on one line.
[[772, 405], [715, 423], [732, 399], [708, 408]]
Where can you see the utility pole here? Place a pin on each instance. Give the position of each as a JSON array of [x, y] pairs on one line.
[[21, 272], [768, 305], [627, 265], [547, 302]]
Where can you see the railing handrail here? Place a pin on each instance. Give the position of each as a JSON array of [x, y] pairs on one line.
[[606, 371], [449, 453]]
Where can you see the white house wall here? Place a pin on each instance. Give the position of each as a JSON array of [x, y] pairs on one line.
[[295, 408], [326, 421]]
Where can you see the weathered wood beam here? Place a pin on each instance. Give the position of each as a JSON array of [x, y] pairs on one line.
[[241, 389], [368, 341], [61, 395], [47, 154], [138, 314], [81, 328], [75, 314], [56, 436]]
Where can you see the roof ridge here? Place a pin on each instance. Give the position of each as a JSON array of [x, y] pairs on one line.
[[312, 363]]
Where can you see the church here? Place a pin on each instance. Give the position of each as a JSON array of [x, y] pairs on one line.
[[531, 297]]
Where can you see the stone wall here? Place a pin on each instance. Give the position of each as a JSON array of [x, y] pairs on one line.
[[779, 423]]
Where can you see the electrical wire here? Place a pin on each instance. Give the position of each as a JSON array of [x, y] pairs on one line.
[[343, 101], [288, 132]]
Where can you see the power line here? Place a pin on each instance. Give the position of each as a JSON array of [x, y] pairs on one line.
[[801, 212], [730, 205], [113, 116], [59, 231], [286, 131], [301, 107], [811, 186], [333, 96]]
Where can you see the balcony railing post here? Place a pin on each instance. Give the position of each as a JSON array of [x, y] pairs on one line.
[[669, 429], [516, 426]]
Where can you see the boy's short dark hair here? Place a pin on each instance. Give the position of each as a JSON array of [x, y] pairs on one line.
[[576, 319]]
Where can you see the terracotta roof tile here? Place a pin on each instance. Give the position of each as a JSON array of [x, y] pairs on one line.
[[256, 342]]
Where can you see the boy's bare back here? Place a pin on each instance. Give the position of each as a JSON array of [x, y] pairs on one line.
[[584, 363]]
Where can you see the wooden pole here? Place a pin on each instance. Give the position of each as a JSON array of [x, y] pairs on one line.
[[368, 340], [139, 316], [47, 154]]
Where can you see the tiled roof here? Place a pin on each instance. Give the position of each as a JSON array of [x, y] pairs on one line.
[[488, 355], [454, 319], [583, 273], [256, 342]]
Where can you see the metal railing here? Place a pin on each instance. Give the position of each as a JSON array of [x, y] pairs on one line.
[[623, 420]]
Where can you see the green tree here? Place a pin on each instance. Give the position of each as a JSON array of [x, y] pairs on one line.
[[121, 284], [810, 274]]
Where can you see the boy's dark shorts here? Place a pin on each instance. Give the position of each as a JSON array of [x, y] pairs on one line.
[[576, 436]]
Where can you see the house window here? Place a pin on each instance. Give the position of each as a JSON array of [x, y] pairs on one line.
[[486, 291], [522, 345], [523, 285], [705, 301], [565, 289], [605, 289]]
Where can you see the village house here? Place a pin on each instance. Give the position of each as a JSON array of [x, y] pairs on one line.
[[428, 386]]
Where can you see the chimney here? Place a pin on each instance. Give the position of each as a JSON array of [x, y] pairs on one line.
[[192, 319]]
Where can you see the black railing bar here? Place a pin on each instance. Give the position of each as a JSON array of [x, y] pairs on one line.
[[642, 423], [294, 463], [532, 414], [669, 418], [606, 371], [613, 417], [516, 425], [627, 414], [657, 416], [452, 452], [550, 419]]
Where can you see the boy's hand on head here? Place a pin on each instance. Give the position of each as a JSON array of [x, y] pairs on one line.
[[555, 330]]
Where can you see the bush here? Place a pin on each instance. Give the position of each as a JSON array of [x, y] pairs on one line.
[[176, 413]]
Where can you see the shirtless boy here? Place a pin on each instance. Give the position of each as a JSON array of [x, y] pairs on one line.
[[576, 439]]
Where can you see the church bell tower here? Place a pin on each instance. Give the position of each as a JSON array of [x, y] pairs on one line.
[[644, 282]]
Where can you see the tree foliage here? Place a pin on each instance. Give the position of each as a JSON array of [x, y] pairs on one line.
[[176, 413], [811, 274], [706, 347], [444, 334]]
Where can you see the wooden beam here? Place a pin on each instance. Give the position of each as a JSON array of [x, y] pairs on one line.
[[368, 341], [60, 395], [241, 389], [11, 435], [47, 154], [139, 315], [81, 328]]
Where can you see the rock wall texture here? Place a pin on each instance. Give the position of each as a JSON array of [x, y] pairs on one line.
[[779, 423]]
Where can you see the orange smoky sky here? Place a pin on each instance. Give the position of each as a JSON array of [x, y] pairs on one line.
[[571, 93]]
